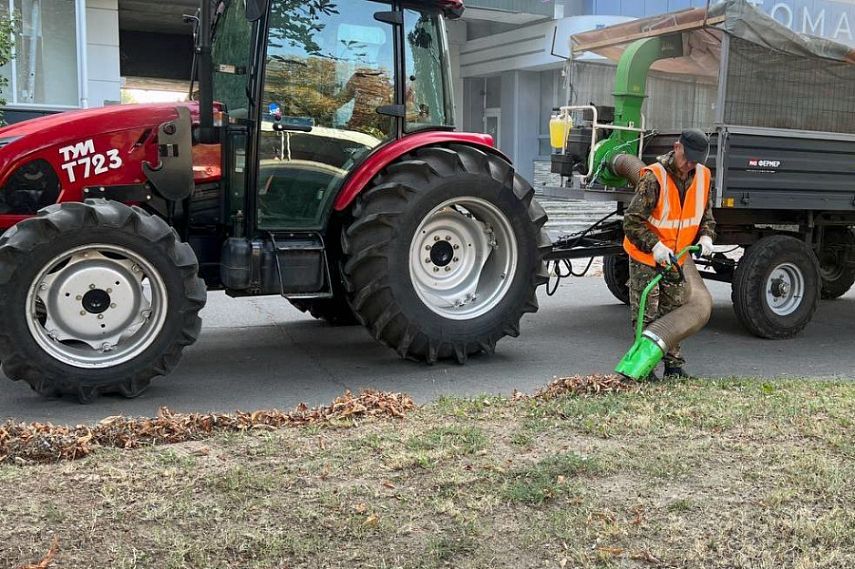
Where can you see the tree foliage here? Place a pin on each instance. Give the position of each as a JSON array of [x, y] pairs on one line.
[[8, 27], [294, 23]]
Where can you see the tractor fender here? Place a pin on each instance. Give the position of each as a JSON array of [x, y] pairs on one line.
[[360, 178]]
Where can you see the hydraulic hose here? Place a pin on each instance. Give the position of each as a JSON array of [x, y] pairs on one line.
[[688, 319]]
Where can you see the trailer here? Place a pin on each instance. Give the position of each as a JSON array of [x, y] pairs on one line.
[[782, 155]]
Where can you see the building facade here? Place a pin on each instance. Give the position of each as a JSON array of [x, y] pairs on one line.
[[508, 58], [66, 56]]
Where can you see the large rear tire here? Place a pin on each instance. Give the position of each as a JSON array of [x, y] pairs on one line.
[[616, 275], [838, 275], [445, 253], [776, 287], [334, 311], [95, 297]]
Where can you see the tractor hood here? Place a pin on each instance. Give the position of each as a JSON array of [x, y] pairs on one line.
[[56, 128], [89, 148]]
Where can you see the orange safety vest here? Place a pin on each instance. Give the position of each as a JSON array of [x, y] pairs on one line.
[[675, 224]]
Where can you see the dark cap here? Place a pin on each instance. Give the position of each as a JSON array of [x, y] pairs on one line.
[[696, 145]]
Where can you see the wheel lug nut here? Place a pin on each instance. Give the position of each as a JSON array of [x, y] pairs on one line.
[[83, 313], [436, 237], [113, 305], [455, 259], [447, 269], [427, 260], [448, 237], [457, 246], [100, 317], [109, 291], [91, 286], [135, 268], [78, 297], [436, 269]]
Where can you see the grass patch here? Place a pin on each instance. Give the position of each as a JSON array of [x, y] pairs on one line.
[[548, 478], [713, 474]]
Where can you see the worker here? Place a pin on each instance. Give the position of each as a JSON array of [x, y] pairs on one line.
[[670, 210]]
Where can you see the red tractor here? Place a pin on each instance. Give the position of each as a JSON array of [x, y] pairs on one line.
[[320, 163]]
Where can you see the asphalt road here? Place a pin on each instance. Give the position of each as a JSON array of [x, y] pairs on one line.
[[262, 353]]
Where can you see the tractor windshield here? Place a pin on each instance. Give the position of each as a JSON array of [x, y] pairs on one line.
[[336, 80]]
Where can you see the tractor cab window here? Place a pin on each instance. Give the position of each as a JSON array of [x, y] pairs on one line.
[[427, 95], [329, 66], [230, 53]]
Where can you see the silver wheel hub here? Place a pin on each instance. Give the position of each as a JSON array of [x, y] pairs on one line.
[[463, 257], [785, 288], [96, 306]]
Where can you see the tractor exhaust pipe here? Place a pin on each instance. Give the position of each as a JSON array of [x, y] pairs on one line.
[[207, 134]]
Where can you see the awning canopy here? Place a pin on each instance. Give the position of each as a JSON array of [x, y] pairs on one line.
[[702, 33]]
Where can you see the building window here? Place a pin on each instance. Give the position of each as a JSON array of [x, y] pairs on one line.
[[44, 68]]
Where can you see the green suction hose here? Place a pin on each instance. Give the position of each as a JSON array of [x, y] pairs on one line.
[[648, 351]]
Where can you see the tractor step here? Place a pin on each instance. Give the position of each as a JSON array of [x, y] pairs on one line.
[[301, 260]]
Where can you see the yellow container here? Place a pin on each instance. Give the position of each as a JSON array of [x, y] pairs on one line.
[[559, 127]]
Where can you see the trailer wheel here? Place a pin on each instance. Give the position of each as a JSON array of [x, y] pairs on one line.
[[837, 275], [445, 253], [616, 275], [776, 287], [95, 297]]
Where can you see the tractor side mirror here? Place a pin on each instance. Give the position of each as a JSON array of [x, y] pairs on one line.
[[255, 9]]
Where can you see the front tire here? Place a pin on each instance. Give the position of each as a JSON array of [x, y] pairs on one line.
[[95, 297], [776, 287], [445, 253]]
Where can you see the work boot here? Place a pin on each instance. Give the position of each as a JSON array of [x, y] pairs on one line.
[[676, 372]]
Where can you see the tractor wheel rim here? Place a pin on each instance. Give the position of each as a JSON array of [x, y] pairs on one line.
[[785, 289], [96, 306], [463, 257]]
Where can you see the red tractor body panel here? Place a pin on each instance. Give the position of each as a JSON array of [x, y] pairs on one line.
[[96, 147], [107, 147], [387, 154]]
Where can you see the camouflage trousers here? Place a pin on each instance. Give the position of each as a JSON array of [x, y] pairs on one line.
[[664, 298]]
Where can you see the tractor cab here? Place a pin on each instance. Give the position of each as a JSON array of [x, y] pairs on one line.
[[327, 85]]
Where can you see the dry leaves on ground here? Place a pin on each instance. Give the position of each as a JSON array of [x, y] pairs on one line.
[[47, 559], [43, 442], [584, 385]]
